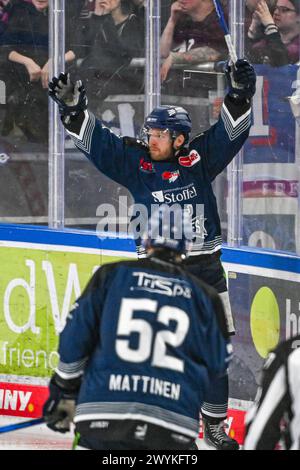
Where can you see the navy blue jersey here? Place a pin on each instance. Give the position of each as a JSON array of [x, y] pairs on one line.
[[147, 338], [185, 180]]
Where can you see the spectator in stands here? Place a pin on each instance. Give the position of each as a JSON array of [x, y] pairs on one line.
[[279, 43], [250, 9], [139, 8], [4, 14], [26, 71], [113, 37], [192, 35], [87, 9]]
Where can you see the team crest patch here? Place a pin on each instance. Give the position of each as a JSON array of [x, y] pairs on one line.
[[189, 160], [171, 176], [145, 166]]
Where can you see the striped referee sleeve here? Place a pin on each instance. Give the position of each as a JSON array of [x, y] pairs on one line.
[[294, 387], [264, 418]]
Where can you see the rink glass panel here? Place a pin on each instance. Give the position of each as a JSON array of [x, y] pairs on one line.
[[24, 120], [271, 164], [270, 197], [115, 90]]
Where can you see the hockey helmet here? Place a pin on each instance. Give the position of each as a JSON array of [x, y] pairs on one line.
[[169, 227], [175, 119]]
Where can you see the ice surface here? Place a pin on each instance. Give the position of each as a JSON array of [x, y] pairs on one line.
[[37, 437]]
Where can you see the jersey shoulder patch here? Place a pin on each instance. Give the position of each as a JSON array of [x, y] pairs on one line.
[[189, 160]]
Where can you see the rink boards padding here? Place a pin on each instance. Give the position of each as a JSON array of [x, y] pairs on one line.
[[44, 270]]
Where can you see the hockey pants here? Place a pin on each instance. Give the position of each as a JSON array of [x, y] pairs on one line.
[[209, 269]]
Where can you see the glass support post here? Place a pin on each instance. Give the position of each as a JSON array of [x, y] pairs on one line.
[[152, 65], [235, 169], [56, 130]]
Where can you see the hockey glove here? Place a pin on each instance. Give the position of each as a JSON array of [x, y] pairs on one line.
[[59, 409], [71, 98], [241, 80]]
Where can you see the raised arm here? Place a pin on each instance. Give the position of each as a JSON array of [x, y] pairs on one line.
[[222, 142], [101, 146], [166, 41]]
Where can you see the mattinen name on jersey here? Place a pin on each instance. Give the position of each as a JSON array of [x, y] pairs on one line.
[[144, 384], [161, 285]]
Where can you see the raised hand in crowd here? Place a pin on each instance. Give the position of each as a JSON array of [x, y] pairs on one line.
[[177, 10], [166, 41], [99, 9], [263, 14]]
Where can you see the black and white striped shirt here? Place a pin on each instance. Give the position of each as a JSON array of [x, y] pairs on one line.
[[275, 415]]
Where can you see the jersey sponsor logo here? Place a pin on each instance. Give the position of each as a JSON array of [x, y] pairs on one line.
[[177, 195], [146, 167], [99, 424], [189, 160], [158, 196], [161, 285], [199, 227], [170, 176], [141, 431]]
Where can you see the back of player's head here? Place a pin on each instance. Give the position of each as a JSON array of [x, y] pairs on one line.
[[170, 230], [175, 119]]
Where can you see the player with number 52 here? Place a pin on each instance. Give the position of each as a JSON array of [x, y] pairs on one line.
[[140, 348]]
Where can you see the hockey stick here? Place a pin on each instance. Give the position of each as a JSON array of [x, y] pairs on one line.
[[25, 424], [227, 37]]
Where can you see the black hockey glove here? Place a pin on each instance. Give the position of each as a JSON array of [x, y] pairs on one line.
[[241, 80], [71, 98], [58, 410]]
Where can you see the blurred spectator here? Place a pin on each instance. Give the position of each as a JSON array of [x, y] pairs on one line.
[[251, 7], [87, 9], [4, 14], [274, 39], [114, 36], [192, 35], [4, 7], [26, 69], [139, 8]]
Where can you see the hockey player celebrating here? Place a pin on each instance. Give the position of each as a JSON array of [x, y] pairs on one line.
[[138, 351], [170, 169]]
